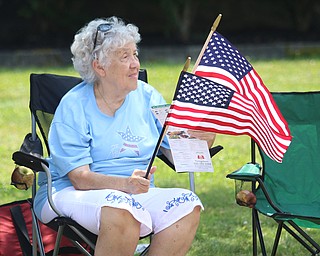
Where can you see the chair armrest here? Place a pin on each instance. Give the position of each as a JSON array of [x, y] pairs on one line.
[[163, 158], [248, 172], [215, 150], [30, 153], [29, 160]]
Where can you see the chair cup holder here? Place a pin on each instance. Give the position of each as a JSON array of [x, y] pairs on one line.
[[243, 193]]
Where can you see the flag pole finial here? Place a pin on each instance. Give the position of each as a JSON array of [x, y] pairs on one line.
[[216, 22], [187, 64], [213, 29]]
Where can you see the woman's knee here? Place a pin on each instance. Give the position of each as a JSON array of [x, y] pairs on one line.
[[119, 219], [195, 214], [193, 218]]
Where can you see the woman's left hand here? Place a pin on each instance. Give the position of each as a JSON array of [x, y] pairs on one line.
[[201, 135]]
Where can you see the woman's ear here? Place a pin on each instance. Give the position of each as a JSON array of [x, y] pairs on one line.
[[98, 68]]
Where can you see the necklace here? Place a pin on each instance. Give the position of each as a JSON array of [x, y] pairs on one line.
[[112, 110], [102, 97], [104, 100]]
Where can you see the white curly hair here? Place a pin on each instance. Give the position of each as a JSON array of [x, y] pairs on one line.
[[84, 51]]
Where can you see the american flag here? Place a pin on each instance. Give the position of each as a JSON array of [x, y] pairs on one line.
[[223, 63], [203, 104]]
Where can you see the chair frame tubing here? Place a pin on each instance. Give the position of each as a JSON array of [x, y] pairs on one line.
[[301, 236], [256, 228], [36, 233]]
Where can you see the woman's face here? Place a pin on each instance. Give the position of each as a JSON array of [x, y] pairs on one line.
[[122, 73]]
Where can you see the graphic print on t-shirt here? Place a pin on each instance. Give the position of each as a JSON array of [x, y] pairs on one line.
[[130, 141]]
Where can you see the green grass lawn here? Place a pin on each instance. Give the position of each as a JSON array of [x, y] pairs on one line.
[[225, 228]]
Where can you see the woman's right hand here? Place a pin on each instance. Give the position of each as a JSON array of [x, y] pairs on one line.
[[137, 183]]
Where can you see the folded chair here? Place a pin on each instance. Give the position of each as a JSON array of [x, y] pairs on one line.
[[288, 192], [46, 91]]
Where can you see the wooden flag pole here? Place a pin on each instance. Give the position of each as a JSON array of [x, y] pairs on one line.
[[213, 29], [163, 131]]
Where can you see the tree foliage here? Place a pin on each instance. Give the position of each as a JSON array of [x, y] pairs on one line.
[[52, 23]]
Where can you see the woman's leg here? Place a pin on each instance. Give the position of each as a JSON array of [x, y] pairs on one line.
[[113, 215], [118, 234], [177, 238]]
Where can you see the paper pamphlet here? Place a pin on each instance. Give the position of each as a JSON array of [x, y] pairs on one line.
[[189, 154]]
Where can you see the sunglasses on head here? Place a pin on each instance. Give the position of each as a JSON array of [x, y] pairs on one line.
[[105, 27]]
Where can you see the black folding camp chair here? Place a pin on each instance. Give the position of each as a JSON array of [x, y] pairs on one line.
[[46, 91], [288, 192]]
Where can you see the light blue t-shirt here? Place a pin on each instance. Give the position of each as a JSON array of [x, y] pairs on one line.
[[81, 134]]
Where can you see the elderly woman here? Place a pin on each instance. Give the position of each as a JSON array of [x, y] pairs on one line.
[[101, 140]]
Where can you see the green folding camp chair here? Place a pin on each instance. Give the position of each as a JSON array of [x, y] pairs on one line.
[[289, 192]]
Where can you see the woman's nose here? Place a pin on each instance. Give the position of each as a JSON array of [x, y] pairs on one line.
[[134, 62]]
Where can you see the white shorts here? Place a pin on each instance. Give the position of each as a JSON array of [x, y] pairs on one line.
[[155, 210]]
